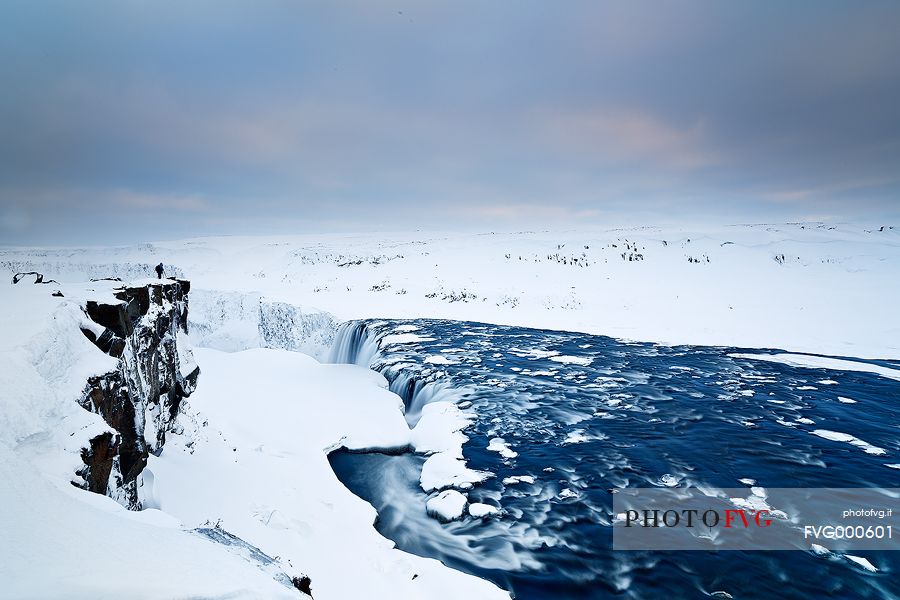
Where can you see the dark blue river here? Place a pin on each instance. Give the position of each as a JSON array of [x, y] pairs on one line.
[[570, 417]]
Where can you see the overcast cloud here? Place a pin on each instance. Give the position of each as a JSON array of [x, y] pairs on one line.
[[146, 120]]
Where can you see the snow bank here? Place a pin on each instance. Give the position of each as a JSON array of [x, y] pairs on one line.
[[822, 362], [260, 467], [54, 541]]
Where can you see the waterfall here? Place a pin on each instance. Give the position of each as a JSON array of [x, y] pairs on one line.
[[354, 344], [417, 391]]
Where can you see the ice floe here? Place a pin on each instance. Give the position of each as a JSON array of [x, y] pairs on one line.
[[821, 362], [479, 510], [572, 360], [514, 479], [447, 506], [500, 446], [837, 436]]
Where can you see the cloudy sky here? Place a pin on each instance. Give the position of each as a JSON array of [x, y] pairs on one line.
[[151, 120]]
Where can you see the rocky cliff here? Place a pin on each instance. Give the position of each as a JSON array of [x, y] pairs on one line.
[[146, 330]]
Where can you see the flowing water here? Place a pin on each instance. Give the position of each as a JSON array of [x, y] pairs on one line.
[[580, 415]]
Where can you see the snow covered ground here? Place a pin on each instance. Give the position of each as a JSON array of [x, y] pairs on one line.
[[251, 462], [253, 455], [61, 541], [806, 287], [258, 466]]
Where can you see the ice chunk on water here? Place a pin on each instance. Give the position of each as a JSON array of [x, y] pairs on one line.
[[479, 510], [404, 338], [862, 562], [837, 436], [822, 362], [440, 428], [575, 437], [820, 550], [439, 359], [444, 469], [514, 479], [446, 506], [669, 480], [499, 445], [572, 360]]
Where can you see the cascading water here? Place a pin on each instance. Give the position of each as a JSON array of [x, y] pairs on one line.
[[353, 345], [357, 342], [558, 419]]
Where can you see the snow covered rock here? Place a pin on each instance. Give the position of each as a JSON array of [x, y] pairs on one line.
[[146, 330]]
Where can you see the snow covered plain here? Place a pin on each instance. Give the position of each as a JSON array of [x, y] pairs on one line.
[[262, 421], [806, 287]]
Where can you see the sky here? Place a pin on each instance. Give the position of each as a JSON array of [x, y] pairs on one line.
[[125, 120]]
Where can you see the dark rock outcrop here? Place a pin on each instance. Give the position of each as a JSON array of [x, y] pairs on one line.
[[141, 399], [98, 461], [38, 277], [304, 584]]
